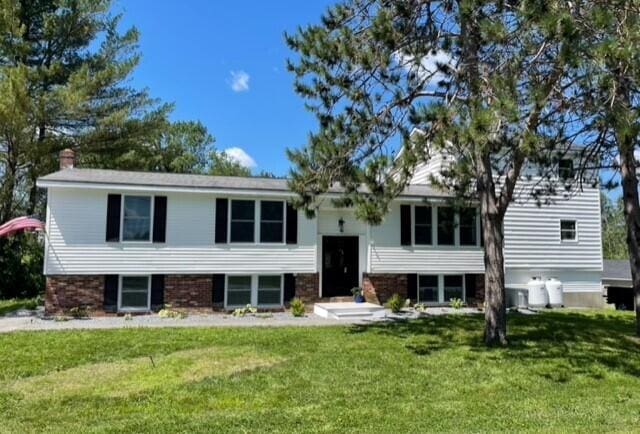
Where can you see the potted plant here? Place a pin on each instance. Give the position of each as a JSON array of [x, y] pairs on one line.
[[357, 294]]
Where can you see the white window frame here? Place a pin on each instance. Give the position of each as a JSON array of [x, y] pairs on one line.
[[256, 213], [441, 299], [257, 210], [413, 226], [575, 223], [134, 309], [254, 290], [151, 211], [284, 222]]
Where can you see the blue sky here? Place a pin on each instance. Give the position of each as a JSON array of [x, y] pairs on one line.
[[193, 50]]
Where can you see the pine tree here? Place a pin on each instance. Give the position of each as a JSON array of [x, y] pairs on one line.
[[608, 102], [481, 80], [64, 67]]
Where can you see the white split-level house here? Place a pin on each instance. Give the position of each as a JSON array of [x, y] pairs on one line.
[[132, 241]]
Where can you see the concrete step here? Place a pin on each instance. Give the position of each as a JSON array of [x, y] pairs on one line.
[[346, 310]]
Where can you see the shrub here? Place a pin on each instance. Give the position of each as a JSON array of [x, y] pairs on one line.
[[395, 303], [297, 307], [78, 312], [456, 303], [420, 307], [167, 312], [242, 311], [128, 317]]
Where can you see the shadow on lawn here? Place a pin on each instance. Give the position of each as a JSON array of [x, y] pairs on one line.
[[572, 342]]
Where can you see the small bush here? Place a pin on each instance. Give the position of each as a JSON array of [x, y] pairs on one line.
[[31, 304], [456, 303], [420, 307], [128, 317], [297, 307], [167, 312], [242, 311], [79, 312], [395, 303]]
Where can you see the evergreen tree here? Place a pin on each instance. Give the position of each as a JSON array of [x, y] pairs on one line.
[[608, 102], [64, 67], [481, 80], [614, 229]]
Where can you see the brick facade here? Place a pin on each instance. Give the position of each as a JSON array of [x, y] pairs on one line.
[[188, 291], [307, 286], [379, 287], [64, 292]]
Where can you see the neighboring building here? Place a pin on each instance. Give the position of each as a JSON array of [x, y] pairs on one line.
[[617, 285], [126, 241]]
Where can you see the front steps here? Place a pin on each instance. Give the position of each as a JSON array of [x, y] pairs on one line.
[[348, 310]]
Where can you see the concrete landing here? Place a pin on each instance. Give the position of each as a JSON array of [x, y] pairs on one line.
[[348, 310]]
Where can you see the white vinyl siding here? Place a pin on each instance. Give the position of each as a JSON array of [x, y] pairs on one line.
[[76, 244], [388, 256]]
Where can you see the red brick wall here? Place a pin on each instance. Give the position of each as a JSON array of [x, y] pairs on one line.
[[307, 287], [188, 291], [379, 287], [65, 292]]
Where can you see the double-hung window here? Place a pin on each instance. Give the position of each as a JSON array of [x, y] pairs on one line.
[[242, 221], [422, 230], [135, 293], [271, 221], [238, 290], [568, 231], [453, 288], [260, 290], [136, 219], [428, 289], [446, 226], [468, 229], [565, 169], [269, 290]]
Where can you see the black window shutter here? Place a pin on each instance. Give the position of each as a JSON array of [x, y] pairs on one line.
[[114, 202], [470, 286], [160, 219], [222, 206], [110, 303], [405, 225], [218, 288], [289, 287], [292, 224], [157, 292], [412, 286]]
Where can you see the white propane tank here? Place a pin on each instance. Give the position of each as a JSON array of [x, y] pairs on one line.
[[554, 291], [537, 292]]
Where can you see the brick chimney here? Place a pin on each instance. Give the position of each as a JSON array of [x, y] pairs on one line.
[[67, 159]]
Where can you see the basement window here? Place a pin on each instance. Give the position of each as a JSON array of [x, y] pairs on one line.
[[428, 289], [135, 293]]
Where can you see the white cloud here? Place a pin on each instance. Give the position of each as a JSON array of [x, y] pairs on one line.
[[427, 65], [239, 155], [239, 81]]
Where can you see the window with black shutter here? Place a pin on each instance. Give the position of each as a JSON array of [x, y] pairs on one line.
[[242, 221], [271, 221], [446, 226]]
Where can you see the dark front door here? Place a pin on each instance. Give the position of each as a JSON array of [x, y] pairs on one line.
[[339, 265]]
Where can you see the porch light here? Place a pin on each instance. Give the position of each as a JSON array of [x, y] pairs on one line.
[[341, 225]]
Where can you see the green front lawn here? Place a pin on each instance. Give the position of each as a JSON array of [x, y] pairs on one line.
[[564, 372], [13, 304]]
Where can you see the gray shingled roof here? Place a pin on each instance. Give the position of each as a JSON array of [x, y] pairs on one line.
[[616, 270], [157, 179]]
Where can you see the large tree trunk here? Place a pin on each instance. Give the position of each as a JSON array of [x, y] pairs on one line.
[[632, 218], [495, 310]]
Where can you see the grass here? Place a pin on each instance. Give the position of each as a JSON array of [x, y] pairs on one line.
[[563, 372], [13, 304]]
